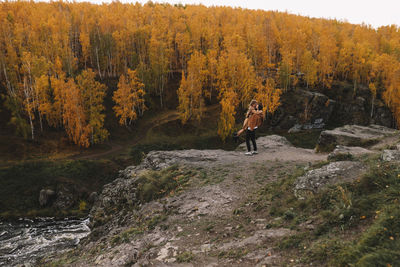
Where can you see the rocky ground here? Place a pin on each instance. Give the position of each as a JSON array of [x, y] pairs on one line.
[[210, 217]]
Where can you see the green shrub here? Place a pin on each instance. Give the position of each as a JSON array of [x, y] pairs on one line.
[[154, 221], [156, 184], [82, 206], [292, 241], [341, 157], [186, 256]]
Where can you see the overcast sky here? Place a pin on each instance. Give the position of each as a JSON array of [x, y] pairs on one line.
[[375, 13]]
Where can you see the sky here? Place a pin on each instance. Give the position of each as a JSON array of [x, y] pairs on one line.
[[375, 13]]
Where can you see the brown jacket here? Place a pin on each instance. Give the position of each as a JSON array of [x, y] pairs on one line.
[[255, 120]]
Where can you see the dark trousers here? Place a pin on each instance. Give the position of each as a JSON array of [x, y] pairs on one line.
[[251, 135]]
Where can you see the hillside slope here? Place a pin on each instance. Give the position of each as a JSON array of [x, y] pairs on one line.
[[214, 207]]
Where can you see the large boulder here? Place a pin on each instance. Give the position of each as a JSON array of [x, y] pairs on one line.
[[319, 108], [93, 197], [352, 135], [346, 152], [382, 114], [355, 107], [45, 196], [304, 108], [333, 173], [269, 142], [64, 198], [311, 106], [315, 125], [351, 111], [390, 155]]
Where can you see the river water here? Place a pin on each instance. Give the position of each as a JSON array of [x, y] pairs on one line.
[[24, 241]]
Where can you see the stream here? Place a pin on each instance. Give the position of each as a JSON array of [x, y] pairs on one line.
[[24, 241]]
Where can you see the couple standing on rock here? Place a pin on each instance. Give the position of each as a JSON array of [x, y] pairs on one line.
[[254, 119]]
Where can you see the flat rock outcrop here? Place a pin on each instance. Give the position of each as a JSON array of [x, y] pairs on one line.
[[341, 152], [269, 142], [333, 173], [282, 150], [353, 135], [157, 160]]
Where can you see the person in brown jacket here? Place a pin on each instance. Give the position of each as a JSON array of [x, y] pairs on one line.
[[254, 121], [255, 109], [254, 118]]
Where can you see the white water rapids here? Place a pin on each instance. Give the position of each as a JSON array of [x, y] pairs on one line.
[[25, 241]]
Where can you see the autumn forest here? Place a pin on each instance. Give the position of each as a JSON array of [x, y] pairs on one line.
[[55, 58]]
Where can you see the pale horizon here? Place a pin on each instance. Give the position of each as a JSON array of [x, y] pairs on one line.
[[374, 13]]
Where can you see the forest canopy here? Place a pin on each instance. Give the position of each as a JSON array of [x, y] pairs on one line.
[[55, 57]]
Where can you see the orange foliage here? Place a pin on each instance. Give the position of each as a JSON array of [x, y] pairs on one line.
[[268, 96], [74, 115], [191, 90], [129, 98], [92, 94], [223, 53], [228, 102]]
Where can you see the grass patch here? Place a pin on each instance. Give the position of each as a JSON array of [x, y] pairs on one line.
[[379, 245], [157, 184], [277, 193], [126, 236], [186, 256], [140, 228], [211, 177], [154, 221], [341, 157], [233, 253], [356, 224], [292, 241]]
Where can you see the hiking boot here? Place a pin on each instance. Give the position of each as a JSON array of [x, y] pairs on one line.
[[248, 153], [255, 152]]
